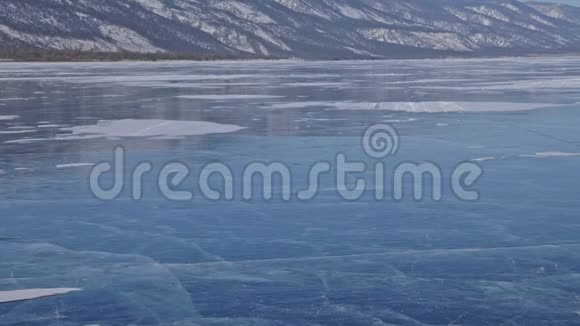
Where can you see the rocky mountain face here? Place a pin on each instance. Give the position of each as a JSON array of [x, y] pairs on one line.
[[293, 28]]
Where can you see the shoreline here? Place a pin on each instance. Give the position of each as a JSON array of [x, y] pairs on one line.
[[289, 60], [51, 55], [58, 56]]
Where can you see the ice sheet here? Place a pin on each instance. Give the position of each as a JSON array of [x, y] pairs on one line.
[[512, 254], [112, 286]]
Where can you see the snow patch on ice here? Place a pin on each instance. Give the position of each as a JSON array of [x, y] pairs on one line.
[[483, 159], [74, 165], [417, 107], [150, 128], [551, 154], [300, 105], [539, 155], [13, 132], [399, 120], [190, 85], [9, 99], [21, 295], [8, 117], [25, 140], [229, 97], [317, 84], [51, 126], [434, 107]]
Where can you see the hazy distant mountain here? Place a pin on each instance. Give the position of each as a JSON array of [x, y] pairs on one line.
[[559, 11], [301, 28]]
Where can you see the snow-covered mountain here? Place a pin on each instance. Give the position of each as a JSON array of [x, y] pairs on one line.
[[301, 28]]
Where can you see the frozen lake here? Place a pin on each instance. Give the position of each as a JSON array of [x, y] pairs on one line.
[[510, 258]]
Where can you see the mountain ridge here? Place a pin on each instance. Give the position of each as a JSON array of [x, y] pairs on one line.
[[294, 28]]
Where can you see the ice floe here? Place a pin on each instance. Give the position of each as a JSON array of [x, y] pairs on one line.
[[29, 294]]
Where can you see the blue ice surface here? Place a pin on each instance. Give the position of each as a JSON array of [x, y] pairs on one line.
[[510, 258]]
